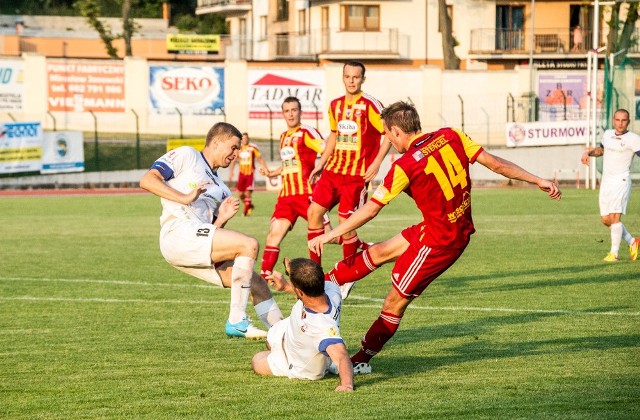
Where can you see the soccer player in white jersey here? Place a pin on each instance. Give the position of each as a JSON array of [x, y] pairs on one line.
[[303, 345], [196, 204], [618, 147]]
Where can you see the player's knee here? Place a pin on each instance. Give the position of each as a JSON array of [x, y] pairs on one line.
[[249, 247]]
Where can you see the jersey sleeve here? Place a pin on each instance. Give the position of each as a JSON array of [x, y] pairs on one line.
[[375, 119], [256, 151], [171, 163], [394, 183], [471, 148], [313, 140], [333, 124]]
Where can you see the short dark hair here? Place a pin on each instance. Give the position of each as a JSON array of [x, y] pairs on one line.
[[292, 99], [307, 276], [622, 110], [403, 115], [224, 130], [355, 64]]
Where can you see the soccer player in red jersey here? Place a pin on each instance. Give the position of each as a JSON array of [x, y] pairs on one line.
[[351, 158], [299, 147], [247, 156], [434, 171]]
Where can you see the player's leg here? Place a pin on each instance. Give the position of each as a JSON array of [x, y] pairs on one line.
[[315, 226], [230, 245], [413, 271], [615, 228], [353, 194], [363, 263], [277, 231]]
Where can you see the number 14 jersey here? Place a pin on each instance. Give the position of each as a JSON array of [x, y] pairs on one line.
[[434, 171]]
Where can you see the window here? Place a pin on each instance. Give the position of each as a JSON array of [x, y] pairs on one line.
[[302, 21], [509, 27], [361, 18], [283, 10], [263, 27]]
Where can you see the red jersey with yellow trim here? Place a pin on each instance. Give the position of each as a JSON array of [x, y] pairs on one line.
[[358, 129], [246, 158], [299, 148], [434, 171]]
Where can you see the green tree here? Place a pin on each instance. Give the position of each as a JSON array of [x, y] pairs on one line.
[[620, 37], [91, 10]]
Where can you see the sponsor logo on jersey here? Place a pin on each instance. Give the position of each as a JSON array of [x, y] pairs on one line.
[[347, 127], [287, 153]]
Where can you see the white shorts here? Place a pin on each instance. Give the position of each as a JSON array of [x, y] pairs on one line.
[[614, 196], [186, 245], [277, 359]]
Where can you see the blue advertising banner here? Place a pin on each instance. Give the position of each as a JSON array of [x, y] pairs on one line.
[[189, 90], [20, 147]]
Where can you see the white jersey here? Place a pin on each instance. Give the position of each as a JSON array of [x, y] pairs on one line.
[[183, 168], [618, 154], [308, 334]]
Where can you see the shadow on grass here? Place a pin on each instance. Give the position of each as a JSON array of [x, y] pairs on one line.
[[478, 349], [557, 276]]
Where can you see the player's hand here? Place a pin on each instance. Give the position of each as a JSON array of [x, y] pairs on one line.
[[264, 172], [315, 174], [371, 172], [316, 244], [585, 157], [195, 193], [551, 188], [228, 208], [277, 281]]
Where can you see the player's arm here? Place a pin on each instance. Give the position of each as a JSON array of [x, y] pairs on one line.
[[373, 169], [324, 157], [591, 152], [270, 173], [154, 182], [340, 357], [356, 220], [263, 164], [512, 171]]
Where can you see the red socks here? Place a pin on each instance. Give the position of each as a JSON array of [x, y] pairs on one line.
[[379, 333], [314, 233], [269, 260], [351, 269]]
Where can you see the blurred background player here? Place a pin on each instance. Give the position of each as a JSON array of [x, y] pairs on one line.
[[247, 156], [434, 172], [303, 345], [299, 147], [351, 158], [196, 205], [618, 147]]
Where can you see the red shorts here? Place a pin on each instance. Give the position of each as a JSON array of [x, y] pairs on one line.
[[291, 207], [347, 190], [245, 183], [419, 265]]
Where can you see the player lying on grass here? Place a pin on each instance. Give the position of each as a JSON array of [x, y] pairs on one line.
[[196, 205], [434, 171], [303, 345]]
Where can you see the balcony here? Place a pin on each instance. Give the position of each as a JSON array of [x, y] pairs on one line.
[[323, 44], [227, 8], [546, 42]]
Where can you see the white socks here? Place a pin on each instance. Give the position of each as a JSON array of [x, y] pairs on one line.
[[626, 235], [241, 274], [268, 312], [616, 237]]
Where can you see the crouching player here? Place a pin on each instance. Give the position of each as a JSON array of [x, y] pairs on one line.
[[303, 345]]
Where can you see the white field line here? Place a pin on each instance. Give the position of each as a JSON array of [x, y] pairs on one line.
[[378, 301]]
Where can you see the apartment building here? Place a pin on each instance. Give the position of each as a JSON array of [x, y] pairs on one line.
[[490, 34]]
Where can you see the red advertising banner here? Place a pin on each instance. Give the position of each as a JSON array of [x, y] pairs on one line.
[[80, 86]]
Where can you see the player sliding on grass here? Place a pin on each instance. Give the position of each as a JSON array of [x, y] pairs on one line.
[[303, 345], [434, 171], [196, 204]]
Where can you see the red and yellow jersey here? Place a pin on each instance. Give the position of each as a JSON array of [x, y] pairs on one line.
[[358, 130], [246, 158], [434, 171], [299, 148]]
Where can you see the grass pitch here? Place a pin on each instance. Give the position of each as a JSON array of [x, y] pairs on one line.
[[529, 323]]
